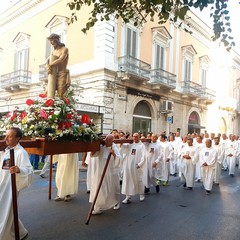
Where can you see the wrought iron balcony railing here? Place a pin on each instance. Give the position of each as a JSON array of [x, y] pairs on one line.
[[208, 94], [134, 66], [19, 77], [162, 77], [43, 76], [191, 88]]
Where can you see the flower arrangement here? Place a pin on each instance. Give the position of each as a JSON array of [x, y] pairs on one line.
[[52, 119]]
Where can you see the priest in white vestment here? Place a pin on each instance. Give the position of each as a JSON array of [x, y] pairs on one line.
[[221, 154], [231, 154], [67, 176], [198, 147], [188, 164], [151, 173], [133, 169], [167, 156], [208, 158], [109, 193], [23, 171]]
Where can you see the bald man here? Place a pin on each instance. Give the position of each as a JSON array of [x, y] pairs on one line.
[[109, 194]]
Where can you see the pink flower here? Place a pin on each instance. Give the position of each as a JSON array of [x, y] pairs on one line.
[[43, 114]]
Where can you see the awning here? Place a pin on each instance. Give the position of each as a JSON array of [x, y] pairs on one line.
[[195, 126]]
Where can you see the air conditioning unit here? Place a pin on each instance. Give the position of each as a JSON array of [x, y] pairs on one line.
[[167, 106]]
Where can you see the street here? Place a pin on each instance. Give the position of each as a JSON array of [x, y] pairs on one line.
[[174, 213]]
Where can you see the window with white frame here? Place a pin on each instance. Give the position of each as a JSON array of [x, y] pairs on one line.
[[58, 25], [204, 64], [159, 58], [21, 58], [161, 38], [187, 77], [188, 58], [131, 42]]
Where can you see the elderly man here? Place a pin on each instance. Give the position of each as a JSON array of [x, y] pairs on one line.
[[151, 173], [221, 154], [231, 153], [23, 171], [188, 164], [133, 169], [109, 193], [167, 156], [59, 77], [208, 158]]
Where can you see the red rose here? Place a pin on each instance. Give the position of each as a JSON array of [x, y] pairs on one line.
[[67, 101], [61, 125], [49, 103], [13, 116], [22, 115], [68, 124], [29, 102], [42, 95], [69, 116], [85, 119]]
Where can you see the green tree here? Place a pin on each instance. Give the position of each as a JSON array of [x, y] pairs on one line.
[[141, 10]]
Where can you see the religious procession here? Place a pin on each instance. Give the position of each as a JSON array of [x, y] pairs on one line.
[[126, 163], [146, 164]]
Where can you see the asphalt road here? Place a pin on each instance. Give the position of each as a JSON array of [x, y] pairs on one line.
[[174, 213]]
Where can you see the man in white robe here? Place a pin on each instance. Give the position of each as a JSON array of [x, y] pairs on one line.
[[109, 193], [135, 162], [188, 164], [199, 146], [221, 154], [180, 148], [167, 156], [151, 173], [23, 171], [173, 162], [224, 141], [91, 168], [208, 158], [67, 176], [231, 153]]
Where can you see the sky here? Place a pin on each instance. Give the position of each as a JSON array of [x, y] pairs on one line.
[[235, 21]]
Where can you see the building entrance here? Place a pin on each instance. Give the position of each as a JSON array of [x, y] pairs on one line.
[[142, 118]]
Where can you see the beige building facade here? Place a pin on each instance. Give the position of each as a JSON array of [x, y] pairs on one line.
[[147, 79]]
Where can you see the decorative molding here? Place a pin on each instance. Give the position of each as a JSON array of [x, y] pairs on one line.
[[23, 12], [19, 12]]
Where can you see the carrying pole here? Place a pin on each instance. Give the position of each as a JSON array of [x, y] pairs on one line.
[[14, 196], [98, 189]]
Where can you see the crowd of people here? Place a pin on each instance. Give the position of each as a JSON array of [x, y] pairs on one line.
[[137, 164], [148, 162]]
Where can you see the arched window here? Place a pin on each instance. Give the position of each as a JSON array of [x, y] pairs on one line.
[[142, 118], [194, 123], [222, 126]]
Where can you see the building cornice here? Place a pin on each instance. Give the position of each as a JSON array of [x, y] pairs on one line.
[[8, 17], [22, 12]]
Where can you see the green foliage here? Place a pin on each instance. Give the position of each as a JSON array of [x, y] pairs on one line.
[[138, 11]]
